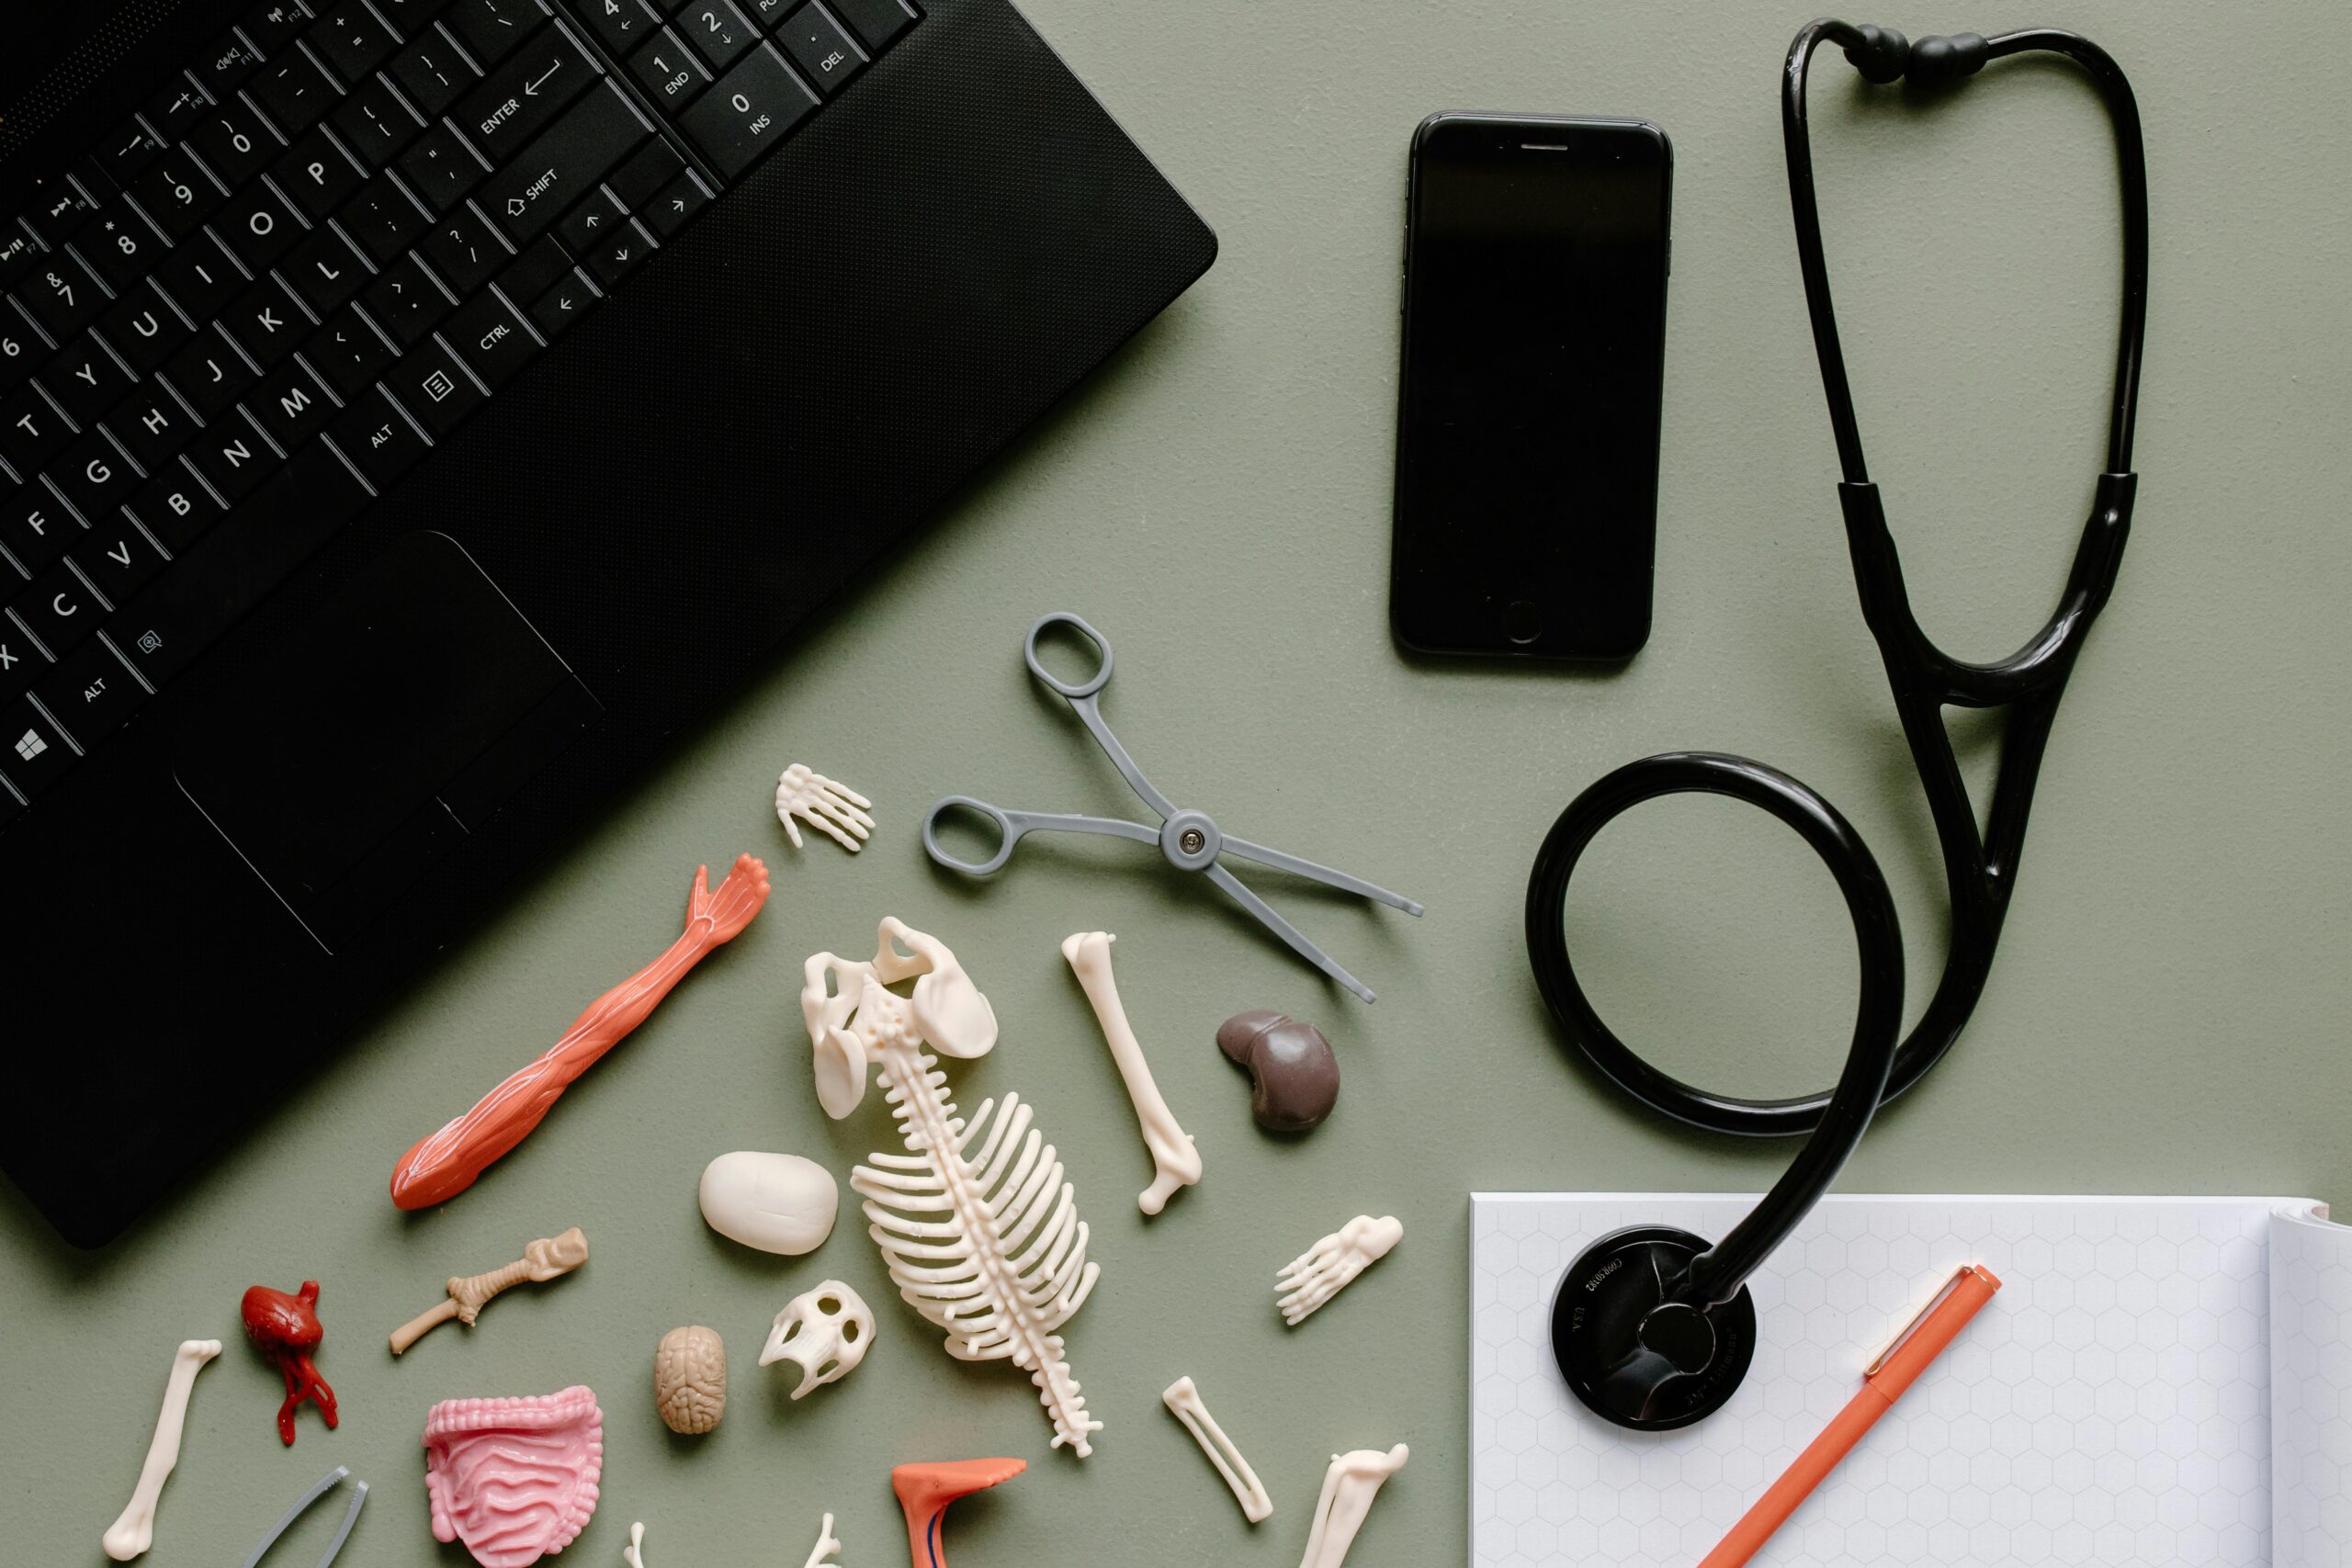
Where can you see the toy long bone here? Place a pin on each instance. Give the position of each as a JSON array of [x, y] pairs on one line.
[[1190, 839]]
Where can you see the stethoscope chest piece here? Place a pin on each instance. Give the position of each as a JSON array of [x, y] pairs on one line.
[[1633, 1353]]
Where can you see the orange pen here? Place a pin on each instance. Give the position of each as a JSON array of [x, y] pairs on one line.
[[1883, 1381]]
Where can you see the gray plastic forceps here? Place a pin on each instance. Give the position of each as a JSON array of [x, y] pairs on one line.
[[1190, 839]]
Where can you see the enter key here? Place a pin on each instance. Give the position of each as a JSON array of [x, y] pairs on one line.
[[522, 98]]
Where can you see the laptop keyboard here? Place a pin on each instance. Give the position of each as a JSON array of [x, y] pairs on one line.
[[308, 258]]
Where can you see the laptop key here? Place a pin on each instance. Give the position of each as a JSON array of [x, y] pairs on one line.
[[33, 753], [676, 207], [441, 169], [175, 108], [377, 439], [116, 557], [564, 164], [564, 303], [200, 278], [35, 527], [32, 429], [315, 175], [325, 270], [492, 29], [433, 74], [91, 694], [491, 338], [209, 374], [290, 404], [142, 328], [522, 98], [275, 24], [406, 301], [233, 457], [60, 609], [620, 254], [635, 181], [720, 32], [21, 663], [673, 74], [130, 149], [119, 245], [266, 322], [410, 17], [227, 64], [542, 261], [232, 143], [434, 389], [877, 22], [374, 123], [176, 194], [383, 220], [61, 296], [754, 107], [94, 475], [175, 508], [152, 426], [820, 47], [622, 24], [84, 379], [348, 353], [584, 227], [258, 226], [294, 92], [353, 40], [465, 251]]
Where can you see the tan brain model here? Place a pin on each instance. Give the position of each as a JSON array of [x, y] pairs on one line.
[[690, 1380]]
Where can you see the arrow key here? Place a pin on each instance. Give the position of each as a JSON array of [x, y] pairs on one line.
[[676, 205], [621, 253], [561, 306], [585, 227]]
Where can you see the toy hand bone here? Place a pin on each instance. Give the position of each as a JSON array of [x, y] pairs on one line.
[[1324, 1269], [833, 810], [135, 1531], [1177, 1162], [549, 1258], [828, 1544], [445, 1163], [1349, 1487]]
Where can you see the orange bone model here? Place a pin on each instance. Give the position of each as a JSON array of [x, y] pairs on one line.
[[446, 1164], [925, 1490]]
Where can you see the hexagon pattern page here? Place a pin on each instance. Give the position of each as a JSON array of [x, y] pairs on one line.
[[2112, 1405]]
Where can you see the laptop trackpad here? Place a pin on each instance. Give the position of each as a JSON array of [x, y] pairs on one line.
[[415, 701]]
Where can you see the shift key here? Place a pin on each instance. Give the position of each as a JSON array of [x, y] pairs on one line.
[[562, 165]]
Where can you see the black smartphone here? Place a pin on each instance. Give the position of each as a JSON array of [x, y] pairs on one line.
[[1534, 357]]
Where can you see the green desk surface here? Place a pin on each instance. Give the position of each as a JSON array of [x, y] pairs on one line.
[[2167, 1013]]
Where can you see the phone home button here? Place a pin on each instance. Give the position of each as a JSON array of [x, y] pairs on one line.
[[1522, 621]]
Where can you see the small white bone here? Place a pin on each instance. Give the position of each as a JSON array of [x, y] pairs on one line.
[[825, 1331], [832, 808], [634, 1553], [1174, 1156], [135, 1531], [1324, 1269], [549, 1258], [1184, 1399], [1349, 1487], [827, 1545]]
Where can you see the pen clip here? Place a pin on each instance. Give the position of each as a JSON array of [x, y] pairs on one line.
[[1878, 1363]]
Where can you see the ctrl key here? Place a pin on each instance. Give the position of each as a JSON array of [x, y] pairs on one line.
[[32, 752], [754, 107]]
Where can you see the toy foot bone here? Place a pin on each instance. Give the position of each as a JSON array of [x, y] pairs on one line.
[[515, 1479], [925, 1490]]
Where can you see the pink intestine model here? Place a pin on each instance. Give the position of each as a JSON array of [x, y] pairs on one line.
[[515, 1479], [440, 1166]]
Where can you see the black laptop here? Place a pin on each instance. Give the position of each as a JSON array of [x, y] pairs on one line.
[[414, 415]]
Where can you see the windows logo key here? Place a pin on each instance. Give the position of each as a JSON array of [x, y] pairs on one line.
[[30, 745]]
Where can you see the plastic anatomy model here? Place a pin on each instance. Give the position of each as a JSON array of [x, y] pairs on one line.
[[979, 1229], [690, 1380], [1184, 1399], [1325, 1270], [1349, 1487], [1174, 1159], [515, 1479], [827, 1546], [444, 1163], [825, 1332], [925, 1490], [780, 1203], [134, 1530], [833, 810], [288, 1329], [1293, 1077], [549, 1258]]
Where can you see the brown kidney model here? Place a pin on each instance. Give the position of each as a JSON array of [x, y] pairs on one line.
[[1294, 1075]]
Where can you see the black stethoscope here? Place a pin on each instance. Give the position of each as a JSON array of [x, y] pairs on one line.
[[1652, 1327]]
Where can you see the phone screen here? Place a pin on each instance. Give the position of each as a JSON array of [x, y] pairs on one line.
[[1535, 350]]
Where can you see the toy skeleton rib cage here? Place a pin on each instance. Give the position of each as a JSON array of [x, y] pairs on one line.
[[978, 1226]]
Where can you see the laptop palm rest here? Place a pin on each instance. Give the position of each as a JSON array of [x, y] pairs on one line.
[[414, 702]]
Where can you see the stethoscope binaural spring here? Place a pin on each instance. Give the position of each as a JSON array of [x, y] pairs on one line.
[[1653, 1326]]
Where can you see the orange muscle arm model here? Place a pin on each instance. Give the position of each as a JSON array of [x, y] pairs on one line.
[[446, 1164]]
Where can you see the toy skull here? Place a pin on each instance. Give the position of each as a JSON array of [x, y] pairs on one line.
[[849, 1013], [824, 1331]]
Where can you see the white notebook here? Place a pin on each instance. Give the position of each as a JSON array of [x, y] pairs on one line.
[[2161, 1381]]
